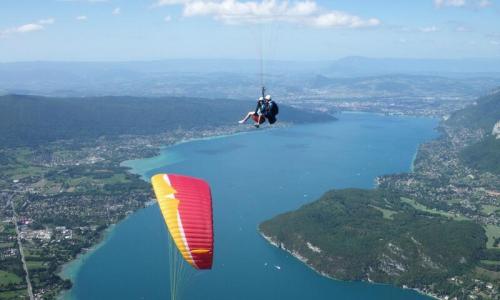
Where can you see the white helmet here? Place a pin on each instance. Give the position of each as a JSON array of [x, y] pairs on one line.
[[268, 97], [261, 98]]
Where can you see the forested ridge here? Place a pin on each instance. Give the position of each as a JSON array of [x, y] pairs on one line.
[[371, 234], [485, 154], [33, 120]]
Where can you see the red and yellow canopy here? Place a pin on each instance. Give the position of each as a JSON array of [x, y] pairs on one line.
[[186, 205]]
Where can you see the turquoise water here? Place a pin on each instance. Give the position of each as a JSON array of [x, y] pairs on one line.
[[254, 177]]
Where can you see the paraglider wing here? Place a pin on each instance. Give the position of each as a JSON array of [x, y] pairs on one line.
[[186, 205]]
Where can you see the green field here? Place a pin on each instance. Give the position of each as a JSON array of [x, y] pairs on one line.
[[77, 181], [7, 278], [9, 230], [30, 251], [6, 245], [23, 172], [491, 262], [89, 180], [35, 265], [387, 213], [11, 295], [21, 165], [489, 209], [491, 275], [424, 208], [492, 232]]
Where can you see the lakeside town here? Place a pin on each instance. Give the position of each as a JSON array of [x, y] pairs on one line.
[[428, 106], [442, 184], [56, 202]]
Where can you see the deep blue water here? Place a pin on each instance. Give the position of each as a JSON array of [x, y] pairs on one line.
[[254, 177]]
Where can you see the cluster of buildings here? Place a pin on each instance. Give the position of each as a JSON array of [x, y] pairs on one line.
[[416, 106], [28, 234]]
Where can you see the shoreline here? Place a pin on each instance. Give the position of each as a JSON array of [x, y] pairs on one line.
[[304, 260], [71, 269], [413, 159], [132, 169]]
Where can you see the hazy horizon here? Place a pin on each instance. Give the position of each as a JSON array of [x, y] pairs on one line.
[[301, 30], [167, 59]]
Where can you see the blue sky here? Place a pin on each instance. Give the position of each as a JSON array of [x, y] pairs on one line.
[[124, 30]]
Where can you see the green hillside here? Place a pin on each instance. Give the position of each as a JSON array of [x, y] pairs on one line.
[[484, 155], [371, 234], [32, 120], [482, 115]]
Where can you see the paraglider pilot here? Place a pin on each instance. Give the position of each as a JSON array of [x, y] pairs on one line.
[[266, 108]]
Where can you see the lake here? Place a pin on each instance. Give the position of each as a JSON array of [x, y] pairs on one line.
[[254, 176]]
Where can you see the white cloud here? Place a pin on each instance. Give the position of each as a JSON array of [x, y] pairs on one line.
[[453, 3], [81, 18], [495, 43], [236, 12], [303, 8], [341, 19], [462, 3], [116, 11], [27, 28], [167, 19]]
